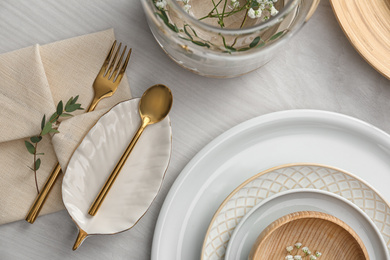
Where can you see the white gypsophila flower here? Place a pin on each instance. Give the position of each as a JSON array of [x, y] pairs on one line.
[[161, 4], [187, 8], [305, 249], [289, 257], [298, 245], [251, 13], [312, 257], [289, 249], [318, 254], [186, 2], [258, 13], [297, 257], [274, 11], [235, 4]]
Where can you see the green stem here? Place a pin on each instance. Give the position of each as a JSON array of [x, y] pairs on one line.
[[223, 13], [245, 17], [35, 166], [211, 12]]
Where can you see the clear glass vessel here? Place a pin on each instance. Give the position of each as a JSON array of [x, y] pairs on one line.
[[240, 45]]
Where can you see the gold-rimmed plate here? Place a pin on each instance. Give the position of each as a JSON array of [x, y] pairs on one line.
[[366, 23]]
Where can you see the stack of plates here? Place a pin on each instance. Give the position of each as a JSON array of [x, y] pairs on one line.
[[206, 216], [272, 194]]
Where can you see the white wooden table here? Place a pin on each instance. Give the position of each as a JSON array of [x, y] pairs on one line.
[[319, 69]]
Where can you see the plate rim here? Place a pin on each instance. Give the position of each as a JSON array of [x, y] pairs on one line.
[[238, 129]]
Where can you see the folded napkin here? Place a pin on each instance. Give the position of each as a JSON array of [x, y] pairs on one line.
[[32, 82]]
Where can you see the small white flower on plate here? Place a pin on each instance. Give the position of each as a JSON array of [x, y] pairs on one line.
[[289, 249], [289, 257], [298, 245]]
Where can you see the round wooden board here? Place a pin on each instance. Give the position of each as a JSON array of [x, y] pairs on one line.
[[318, 231], [366, 23]]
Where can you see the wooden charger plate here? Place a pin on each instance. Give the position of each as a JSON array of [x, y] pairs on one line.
[[366, 23], [316, 230]]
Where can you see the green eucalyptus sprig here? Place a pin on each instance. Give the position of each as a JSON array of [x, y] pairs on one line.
[[48, 127]]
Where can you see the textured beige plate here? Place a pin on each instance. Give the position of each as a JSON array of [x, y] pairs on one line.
[[316, 230], [366, 23]]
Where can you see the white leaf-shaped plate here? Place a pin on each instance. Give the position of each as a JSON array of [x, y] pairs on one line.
[[137, 184]]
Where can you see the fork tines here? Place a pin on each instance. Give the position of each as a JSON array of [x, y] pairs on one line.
[[109, 64]]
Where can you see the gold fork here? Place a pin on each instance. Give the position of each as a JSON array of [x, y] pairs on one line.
[[105, 85]]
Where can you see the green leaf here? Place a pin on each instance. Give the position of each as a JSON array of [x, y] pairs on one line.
[[244, 49], [43, 122], [30, 147], [188, 34], [36, 139], [75, 100], [181, 37], [254, 42], [164, 18], [53, 131], [260, 45], [192, 29], [173, 27], [37, 164], [60, 108], [277, 35], [66, 115], [201, 44], [69, 102], [230, 48], [46, 128], [73, 107], [53, 118]]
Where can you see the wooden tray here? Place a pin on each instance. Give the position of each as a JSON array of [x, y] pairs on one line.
[[366, 23], [315, 230]]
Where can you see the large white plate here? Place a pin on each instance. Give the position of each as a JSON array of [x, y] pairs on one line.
[[268, 210], [254, 146], [135, 187]]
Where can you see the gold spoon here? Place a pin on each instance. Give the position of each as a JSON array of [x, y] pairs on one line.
[[154, 106]]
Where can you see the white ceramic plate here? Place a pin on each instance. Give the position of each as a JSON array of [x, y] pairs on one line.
[[252, 147], [138, 182], [263, 214]]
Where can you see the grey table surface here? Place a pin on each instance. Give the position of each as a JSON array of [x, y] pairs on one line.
[[318, 69]]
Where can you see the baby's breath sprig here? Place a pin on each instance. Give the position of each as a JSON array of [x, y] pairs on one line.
[[221, 9], [297, 256], [49, 127]]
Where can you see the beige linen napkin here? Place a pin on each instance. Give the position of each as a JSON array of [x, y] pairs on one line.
[[32, 82]]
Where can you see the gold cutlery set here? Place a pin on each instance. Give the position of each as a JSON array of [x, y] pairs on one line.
[[153, 107]]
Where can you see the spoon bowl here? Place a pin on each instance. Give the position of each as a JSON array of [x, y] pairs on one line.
[[156, 103]]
